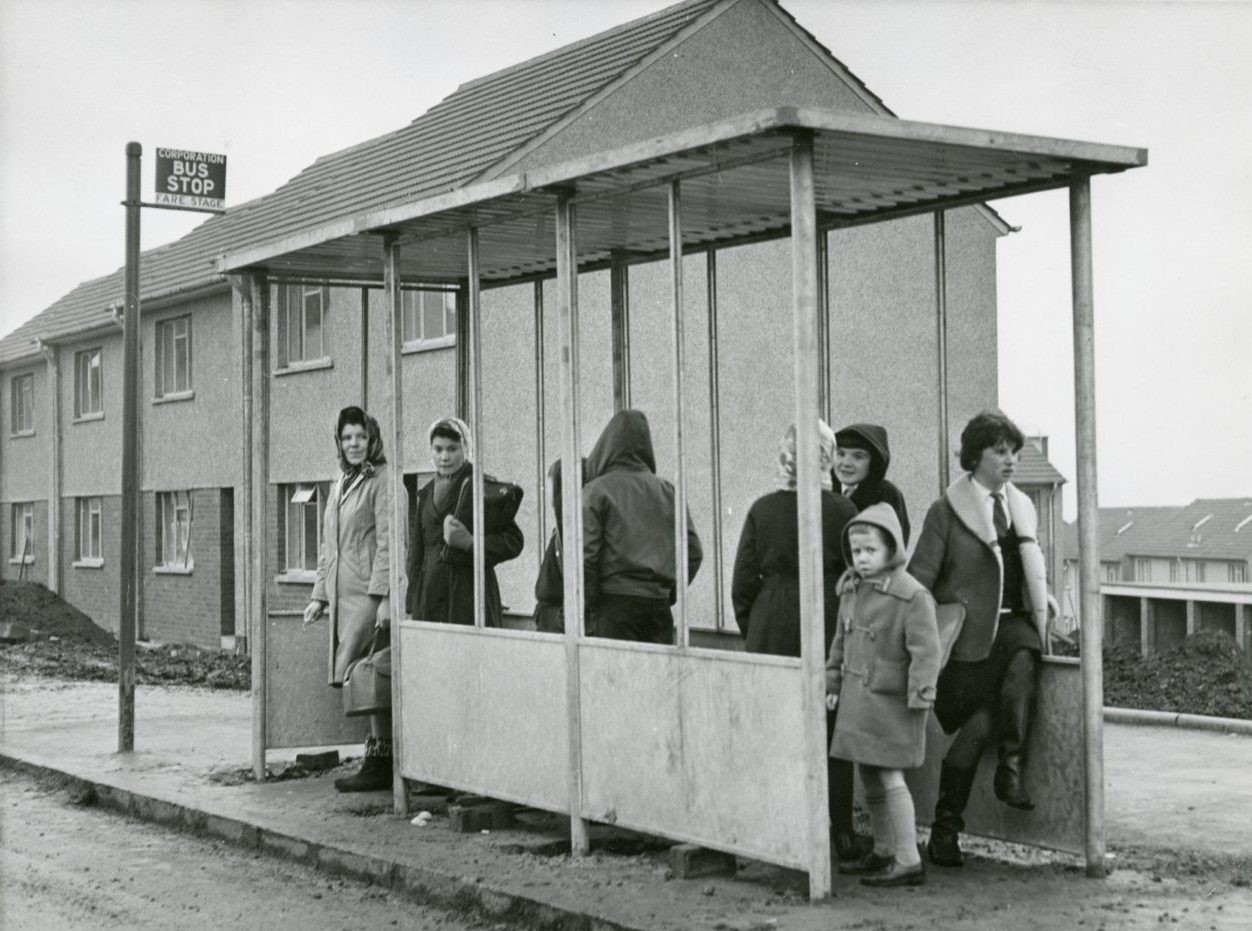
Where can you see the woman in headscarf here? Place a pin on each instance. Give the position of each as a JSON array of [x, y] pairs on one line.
[[353, 574], [765, 591], [441, 555]]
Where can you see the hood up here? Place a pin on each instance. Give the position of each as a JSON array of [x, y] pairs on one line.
[[873, 439], [625, 444], [882, 516]]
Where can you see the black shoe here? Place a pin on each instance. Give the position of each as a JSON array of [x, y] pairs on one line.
[[896, 875], [869, 863], [1009, 789], [375, 772], [944, 848], [850, 847]]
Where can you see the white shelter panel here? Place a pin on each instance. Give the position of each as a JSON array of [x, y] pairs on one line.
[[701, 746], [484, 712]]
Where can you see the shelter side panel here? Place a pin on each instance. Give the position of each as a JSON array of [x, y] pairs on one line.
[[715, 745], [485, 712], [301, 710]]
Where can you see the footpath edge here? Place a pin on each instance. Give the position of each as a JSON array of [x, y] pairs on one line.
[[1199, 722]]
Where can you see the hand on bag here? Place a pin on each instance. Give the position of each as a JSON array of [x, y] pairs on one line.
[[382, 616], [312, 611], [832, 700], [455, 534]]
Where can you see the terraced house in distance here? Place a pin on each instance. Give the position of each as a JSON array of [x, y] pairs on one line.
[[691, 64]]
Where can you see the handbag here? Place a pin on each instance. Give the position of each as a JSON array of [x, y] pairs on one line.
[[950, 618], [367, 683], [501, 501]]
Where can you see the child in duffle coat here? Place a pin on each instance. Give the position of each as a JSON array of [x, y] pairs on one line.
[[880, 679]]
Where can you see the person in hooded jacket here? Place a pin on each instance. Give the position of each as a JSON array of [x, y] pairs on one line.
[[881, 675], [353, 584], [765, 594], [550, 583], [441, 547], [860, 474], [629, 558]]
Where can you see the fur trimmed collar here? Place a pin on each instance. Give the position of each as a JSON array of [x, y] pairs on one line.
[[966, 499]]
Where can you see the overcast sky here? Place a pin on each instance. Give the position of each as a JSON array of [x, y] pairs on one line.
[[275, 83]]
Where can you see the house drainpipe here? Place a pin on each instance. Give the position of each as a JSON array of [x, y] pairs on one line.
[[54, 487]]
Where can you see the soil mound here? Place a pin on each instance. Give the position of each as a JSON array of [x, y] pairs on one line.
[[1207, 674], [33, 606]]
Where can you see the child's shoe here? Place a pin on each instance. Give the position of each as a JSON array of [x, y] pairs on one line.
[[896, 875], [867, 863]]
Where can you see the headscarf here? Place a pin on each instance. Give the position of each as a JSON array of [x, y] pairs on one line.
[[373, 447], [786, 478], [460, 428]]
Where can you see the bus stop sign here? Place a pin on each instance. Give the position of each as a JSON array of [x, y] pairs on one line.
[[190, 179]]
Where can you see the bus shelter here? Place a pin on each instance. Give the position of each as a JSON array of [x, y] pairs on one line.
[[727, 749]]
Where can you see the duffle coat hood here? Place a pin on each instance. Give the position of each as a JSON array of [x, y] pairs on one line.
[[884, 661], [958, 560]]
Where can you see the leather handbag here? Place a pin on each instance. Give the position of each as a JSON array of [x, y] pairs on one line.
[[950, 619], [367, 684]]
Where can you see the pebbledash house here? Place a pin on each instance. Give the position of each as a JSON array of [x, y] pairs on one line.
[[691, 64]]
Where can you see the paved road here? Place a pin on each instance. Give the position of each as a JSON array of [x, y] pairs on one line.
[[67, 867]]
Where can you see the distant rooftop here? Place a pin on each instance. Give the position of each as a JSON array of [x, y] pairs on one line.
[[1207, 528]]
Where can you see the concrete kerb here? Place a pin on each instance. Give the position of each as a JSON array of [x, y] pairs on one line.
[[457, 893], [1199, 722]]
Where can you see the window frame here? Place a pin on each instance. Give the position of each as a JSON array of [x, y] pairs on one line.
[[168, 356], [293, 301], [26, 520], [84, 508], [167, 561], [306, 571], [82, 385], [22, 415], [413, 316]]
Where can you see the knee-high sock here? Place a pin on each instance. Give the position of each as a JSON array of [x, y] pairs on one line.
[[899, 804], [879, 816]]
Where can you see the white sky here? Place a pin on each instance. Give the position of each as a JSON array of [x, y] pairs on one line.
[[276, 83]]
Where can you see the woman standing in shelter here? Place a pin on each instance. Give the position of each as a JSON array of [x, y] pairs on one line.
[[765, 593], [353, 575], [441, 547]]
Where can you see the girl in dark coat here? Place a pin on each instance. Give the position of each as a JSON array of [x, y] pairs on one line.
[[550, 584], [860, 474], [441, 557], [765, 593]]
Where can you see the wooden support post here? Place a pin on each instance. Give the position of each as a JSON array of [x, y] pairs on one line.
[[243, 506], [128, 582], [1147, 627], [571, 507], [393, 425], [941, 345], [55, 483], [474, 332], [1192, 617], [1243, 626], [541, 427], [715, 440], [259, 481], [1088, 525], [809, 490], [681, 560], [619, 316]]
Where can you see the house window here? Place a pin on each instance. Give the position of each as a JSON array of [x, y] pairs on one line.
[[173, 356], [1110, 572], [302, 324], [174, 515], [88, 531], [1199, 571], [1175, 570], [301, 520], [429, 316], [22, 532], [1143, 570], [1236, 572], [88, 384], [22, 405]]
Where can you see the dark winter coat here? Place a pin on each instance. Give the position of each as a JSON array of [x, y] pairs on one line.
[[765, 585], [441, 577], [550, 583], [628, 518], [876, 489], [884, 661], [958, 560]]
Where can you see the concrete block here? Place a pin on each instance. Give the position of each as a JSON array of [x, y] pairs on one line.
[[483, 815], [318, 761], [687, 861]]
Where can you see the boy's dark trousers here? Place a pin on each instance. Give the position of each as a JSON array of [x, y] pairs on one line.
[[839, 786]]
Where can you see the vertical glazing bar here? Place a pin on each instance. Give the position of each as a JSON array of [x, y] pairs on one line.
[[541, 427], [393, 429], [1092, 631], [462, 355], [941, 345], [571, 507], [715, 439], [619, 314], [259, 480], [808, 489], [129, 561], [825, 403], [365, 349], [474, 331], [680, 469]]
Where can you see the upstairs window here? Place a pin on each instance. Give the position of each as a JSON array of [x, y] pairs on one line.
[[174, 515], [1236, 572], [88, 384], [429, 318], [173, 357], [302, 324], [22, 405], [22, 532]]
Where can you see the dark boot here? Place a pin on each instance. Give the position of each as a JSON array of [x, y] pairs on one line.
[[1008, 784], [1015, 715], [944, 847], [375, 772]]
